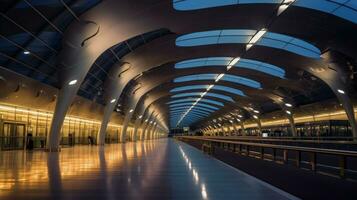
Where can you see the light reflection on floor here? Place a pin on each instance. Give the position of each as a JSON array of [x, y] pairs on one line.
[[162, 169]]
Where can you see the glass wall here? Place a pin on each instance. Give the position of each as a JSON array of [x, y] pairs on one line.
[[328, 128], [21, 127]]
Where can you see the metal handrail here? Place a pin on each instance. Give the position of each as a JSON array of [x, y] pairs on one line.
[[281, 147], [342, 154], [281, 139]]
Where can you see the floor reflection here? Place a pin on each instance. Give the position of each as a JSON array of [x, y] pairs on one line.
[[51, 175], [162, 169]]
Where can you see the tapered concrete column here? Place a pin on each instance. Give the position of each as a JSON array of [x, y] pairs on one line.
[[336, 78], [148, 131], [126, 121], [137, 126], [133, 101], [147, 125], [144, 124], [74, 63], [243, 129], [286, 106], [259, 123], [292, 124], [229, 130], [140, 122], [235, 129], [154, 131], [114, 86], [151, 127]]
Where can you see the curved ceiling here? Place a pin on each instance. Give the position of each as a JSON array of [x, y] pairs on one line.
[[243, 36], [194, 58], [345, 9]]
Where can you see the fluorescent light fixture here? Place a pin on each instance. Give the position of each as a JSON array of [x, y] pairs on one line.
[[150, 122], [240, 116], [26, 52], [219, 77], [219, 124], [131, 110], [288, 112], [210, 87], [72, 82], [248, 46], [288, 105], [341, 91], [238, 119], [140, 117], [233, 62], [255, 38], [113, 100], [231, 121], [255, 117], [146, 120], [284, 5], [256, 111], [203, 94]]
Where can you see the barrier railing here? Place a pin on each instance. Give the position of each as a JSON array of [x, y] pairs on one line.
[[335, 140], [284, 154]]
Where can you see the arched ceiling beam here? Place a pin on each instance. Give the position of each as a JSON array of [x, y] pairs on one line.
[[135, 24]]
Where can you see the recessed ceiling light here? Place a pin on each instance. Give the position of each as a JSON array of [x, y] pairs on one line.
[[255, 117], [288, 105], [341, 91], [113, 100], [72, 82], [288, 112], [131, 110], [26, 52]]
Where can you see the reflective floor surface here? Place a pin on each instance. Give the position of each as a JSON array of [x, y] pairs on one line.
[[161, 169]]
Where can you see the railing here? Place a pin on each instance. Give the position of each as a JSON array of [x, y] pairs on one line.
[[334, 140], [315, 159]]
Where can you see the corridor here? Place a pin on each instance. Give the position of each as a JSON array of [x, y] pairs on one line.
[[161, 169]]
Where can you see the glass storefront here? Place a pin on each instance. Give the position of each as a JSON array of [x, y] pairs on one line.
[[328, 128], [19, 126]]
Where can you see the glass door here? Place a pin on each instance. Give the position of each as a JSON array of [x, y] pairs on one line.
[[13, 136]]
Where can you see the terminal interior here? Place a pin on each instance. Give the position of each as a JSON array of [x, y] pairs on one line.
[[178, 99]]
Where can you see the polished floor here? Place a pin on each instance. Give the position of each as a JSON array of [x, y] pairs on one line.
[[161, 169]]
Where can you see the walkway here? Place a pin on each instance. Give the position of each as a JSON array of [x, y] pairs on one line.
[[162, 169]]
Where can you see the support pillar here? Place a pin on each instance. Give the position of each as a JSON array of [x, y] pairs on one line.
[[113, 90], [292, 124], [75, 62], [259, 123], [336, 78]]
